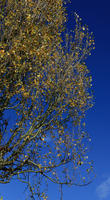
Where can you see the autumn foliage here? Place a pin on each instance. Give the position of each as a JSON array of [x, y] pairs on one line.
[[44, 93]]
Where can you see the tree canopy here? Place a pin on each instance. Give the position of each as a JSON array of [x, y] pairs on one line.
[[44, 94]]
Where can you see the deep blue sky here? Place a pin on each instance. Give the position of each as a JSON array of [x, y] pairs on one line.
[[96, 14]]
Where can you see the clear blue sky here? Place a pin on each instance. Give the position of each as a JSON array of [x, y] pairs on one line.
[[96, 14]]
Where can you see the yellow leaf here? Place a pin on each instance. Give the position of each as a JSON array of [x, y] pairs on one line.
[[2, 53], [39, 166], [58, 155], [26, 94]]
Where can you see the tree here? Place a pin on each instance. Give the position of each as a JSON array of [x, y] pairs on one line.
[[44, 94]]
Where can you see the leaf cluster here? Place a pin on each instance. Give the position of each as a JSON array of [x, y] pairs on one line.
[[45, 90]]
